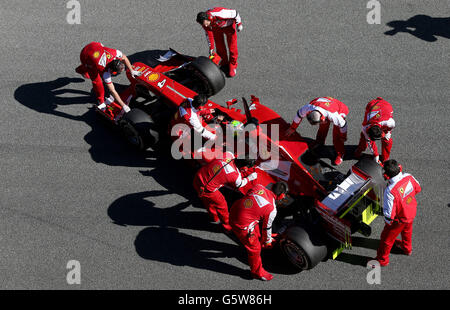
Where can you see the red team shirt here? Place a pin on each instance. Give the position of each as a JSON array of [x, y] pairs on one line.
[[220, 18], [258, 206], [378, 112], [399, 198], [220, 172], [95, 57], [331, 109]]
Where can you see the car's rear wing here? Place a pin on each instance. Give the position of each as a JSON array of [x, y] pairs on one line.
[[350, 207]]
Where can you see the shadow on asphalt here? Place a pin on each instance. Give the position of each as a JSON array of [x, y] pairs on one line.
[[107, 147], [367, 243], [163, 241], [106, 144], [148, 57], [422, 27]]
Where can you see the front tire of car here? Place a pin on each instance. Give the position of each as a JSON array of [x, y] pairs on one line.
[[139, 129], [209, 74]]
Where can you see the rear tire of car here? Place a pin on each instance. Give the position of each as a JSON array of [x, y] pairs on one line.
[[371, 168], [209, 74], [304, 247], [139, 129]]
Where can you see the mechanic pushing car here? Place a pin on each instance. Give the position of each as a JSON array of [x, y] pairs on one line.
[[191, 113], [377, 125], [211, 177], [217, 23], [257, 208], [323, 111], [100, 63], [399, 209]]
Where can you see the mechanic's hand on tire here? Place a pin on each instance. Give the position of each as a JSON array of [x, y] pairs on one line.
[[126, 109]]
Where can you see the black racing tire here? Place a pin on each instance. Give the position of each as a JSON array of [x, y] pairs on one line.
[[371, 168], [304, 247], [139, 129], [209, 74]]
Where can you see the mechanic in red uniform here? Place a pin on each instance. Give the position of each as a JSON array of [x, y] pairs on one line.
[[257, 208], [191, 113], [399, 209], [323, 111], [218, 22], [100, 63], [211, 177], [377, 125]]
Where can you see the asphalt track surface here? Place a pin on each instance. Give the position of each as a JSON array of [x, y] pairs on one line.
[[72, 190]]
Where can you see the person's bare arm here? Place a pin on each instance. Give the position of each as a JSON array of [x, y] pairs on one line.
[[115, 94], [127, 63]]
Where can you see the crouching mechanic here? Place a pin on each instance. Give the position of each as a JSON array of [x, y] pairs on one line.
[[323, 111], [257, 208], [377, 125], [216, 174], [100, 63], [192, 113], [218, 22], [399, 209]]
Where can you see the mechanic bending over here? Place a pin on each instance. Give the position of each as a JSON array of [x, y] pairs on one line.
[[216, 174], [257, 208], [217, 23], [399, 209], [377, 125], [100, 63], [323, 111]]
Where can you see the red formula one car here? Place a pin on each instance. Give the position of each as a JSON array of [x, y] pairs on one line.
[[323, 208]]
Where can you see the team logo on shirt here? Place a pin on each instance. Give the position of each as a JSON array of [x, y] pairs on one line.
[[96, 54], [248, 203], [102, 61], [153, 77], [261, 192], [401, 190], [408, 201]]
